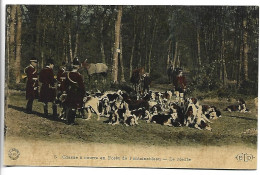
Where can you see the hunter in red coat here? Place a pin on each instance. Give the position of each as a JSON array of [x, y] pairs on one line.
[[180, 82], [31, 84], [48, 91], [75, 90]]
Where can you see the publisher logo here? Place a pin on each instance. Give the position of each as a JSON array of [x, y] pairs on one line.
[[14, 154], [245, 157]]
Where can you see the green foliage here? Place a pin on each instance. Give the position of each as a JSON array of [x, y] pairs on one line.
[[159, 78], [19, 86], [224, 93], [52, 31], [221, 93], [249, 88], [205, 79]]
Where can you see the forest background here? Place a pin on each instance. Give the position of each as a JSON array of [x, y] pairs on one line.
[[217, 46]]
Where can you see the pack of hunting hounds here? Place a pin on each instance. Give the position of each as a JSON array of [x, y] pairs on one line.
[[169, 108]]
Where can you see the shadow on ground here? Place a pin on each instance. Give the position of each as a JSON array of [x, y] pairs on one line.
[[238, 117], [21, 109]]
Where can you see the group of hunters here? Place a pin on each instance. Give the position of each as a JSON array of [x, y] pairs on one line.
[[68, 82]]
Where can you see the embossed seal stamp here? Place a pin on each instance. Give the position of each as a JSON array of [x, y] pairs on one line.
[[14, 154]]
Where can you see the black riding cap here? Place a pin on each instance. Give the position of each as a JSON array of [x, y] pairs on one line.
[[179, 69], [76, 62], [50, 61]]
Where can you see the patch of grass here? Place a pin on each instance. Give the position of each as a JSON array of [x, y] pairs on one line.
[[221, 94], [227, 130]]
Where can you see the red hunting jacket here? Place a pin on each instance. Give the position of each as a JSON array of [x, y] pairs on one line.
[[180, 83], [32, 82], [61, 76], [48, 92], [75, 89]]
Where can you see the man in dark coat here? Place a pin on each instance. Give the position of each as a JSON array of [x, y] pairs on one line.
[[146, 82], [75, 90], [32, 84], [48, 91]]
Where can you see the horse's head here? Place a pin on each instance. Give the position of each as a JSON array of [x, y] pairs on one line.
[[142, 71], [85, 64]]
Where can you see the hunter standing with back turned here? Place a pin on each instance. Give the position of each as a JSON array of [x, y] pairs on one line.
[[75, 90], [31, 84], [48, 90]]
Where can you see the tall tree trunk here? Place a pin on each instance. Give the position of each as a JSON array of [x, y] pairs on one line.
[[246, 48], [224, 74], [68, 24], [12, 43], [168, 55], [76, 45], [175, 54], [70, 45], [206, 45], [116, 46], [178, 60], [42, 58], [198, 43], [234, 58], [139, 54], [145, 41], [43, 47], [110, 60], [239, 79], [65, 56], [234, 49], [77, 32], [237, 41], [17, 67], [151, 47], [37, 45], [7, 65], [102, 49], [121, 60], [132, 56]]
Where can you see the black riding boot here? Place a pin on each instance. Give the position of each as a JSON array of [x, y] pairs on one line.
[[45, 108], [29, 106], [82, 112], [54, 109], [71, 116], [67, 115]]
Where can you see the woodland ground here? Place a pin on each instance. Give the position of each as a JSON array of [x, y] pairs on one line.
[[231, 129]]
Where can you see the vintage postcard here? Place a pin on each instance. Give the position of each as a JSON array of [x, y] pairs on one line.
[[131, 86]]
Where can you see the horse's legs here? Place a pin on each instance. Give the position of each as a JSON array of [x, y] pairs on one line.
[[103, 83], [89, 81], [138, 88]]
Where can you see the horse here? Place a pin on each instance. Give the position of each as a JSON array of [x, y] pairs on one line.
[[137, 77], [98, 69]]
